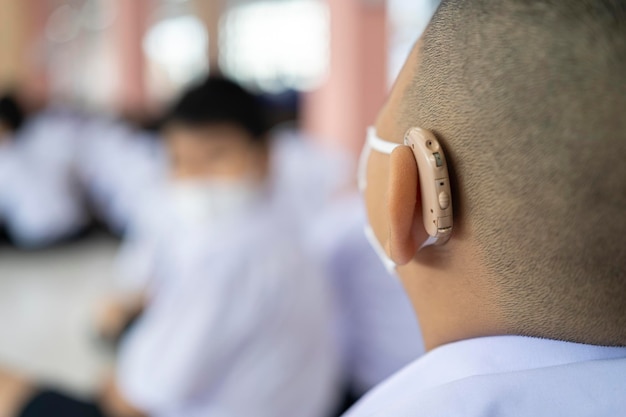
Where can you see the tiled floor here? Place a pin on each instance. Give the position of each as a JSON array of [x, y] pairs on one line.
[[46, 303]]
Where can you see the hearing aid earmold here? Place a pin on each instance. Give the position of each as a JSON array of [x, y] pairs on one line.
[[434, 185]]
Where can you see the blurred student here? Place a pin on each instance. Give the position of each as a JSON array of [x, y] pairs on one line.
[[237, 321], [523, 310], [40, 200], [303, 179]]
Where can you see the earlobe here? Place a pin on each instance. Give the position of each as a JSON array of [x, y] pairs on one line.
[[404, 207]]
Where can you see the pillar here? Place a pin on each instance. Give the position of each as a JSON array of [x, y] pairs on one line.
[[130, 28], [339, 112]]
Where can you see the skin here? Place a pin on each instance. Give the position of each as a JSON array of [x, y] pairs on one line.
[[228, 155], [4, 132], [445, 284], [222, 152], [14, 391], [114, 313]]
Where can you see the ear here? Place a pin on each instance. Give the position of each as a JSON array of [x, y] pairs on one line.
[[404, 207]]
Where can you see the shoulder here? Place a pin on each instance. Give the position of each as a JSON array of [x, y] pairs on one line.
[[582, 389]]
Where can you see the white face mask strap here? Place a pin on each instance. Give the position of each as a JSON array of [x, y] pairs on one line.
[[378, 144], [362, 168], [390, 265], [428, 242]]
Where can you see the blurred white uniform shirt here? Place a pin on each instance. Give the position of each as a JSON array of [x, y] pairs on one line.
[[150, 230], [116, 165], [505, 376], [239, 325], [41, 199], [378, 330]]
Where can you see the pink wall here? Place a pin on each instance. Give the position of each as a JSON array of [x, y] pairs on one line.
[[339, 112], [129, 29], [22, 65], [210, 12], [36, 85]]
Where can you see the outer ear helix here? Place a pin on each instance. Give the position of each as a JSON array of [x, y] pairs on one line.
[[403, 206]]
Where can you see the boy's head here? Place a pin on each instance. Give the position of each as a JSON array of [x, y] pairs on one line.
[[11, 117], [217, 131], [528, 99]]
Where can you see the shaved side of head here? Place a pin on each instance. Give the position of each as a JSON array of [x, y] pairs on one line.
[[529, 99]]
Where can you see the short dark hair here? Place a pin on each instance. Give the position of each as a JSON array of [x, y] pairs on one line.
[[529, 99], [11, 113], [220, 100]]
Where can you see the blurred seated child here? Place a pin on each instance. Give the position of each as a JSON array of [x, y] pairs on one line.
[[236, 321], [40, 200], [523, 309], [304, 178]]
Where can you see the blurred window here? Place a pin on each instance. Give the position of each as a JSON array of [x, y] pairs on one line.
[[178, 45], [276, 45], [76, 31]]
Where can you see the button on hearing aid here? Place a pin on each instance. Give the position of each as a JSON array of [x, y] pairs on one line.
[[444, 200], [444, 222]]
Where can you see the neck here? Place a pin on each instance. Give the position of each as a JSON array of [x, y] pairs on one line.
[[451, 298]]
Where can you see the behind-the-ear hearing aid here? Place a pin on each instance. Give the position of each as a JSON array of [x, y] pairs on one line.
[[434, 185]]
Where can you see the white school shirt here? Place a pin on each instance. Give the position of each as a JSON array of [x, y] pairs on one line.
[[39, 197], [378, 331], [150, 229], [154, 227], [505, 376], [41, 210], [239, 326], [116, 164]]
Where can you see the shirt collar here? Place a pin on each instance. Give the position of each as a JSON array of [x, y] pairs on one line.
[[500, 354]]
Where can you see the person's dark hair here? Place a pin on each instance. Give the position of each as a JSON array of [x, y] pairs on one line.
[[219, 100], [11, 113], [529, 99]]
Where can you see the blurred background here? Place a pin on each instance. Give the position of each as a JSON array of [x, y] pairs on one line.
[[131, 57], [96, 75]]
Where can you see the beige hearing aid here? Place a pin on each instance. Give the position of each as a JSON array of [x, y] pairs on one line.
[[434, 185]]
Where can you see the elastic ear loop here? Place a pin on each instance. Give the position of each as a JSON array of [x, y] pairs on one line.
[[428, 242], [388, 263], [379, 144], [386, 147]]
